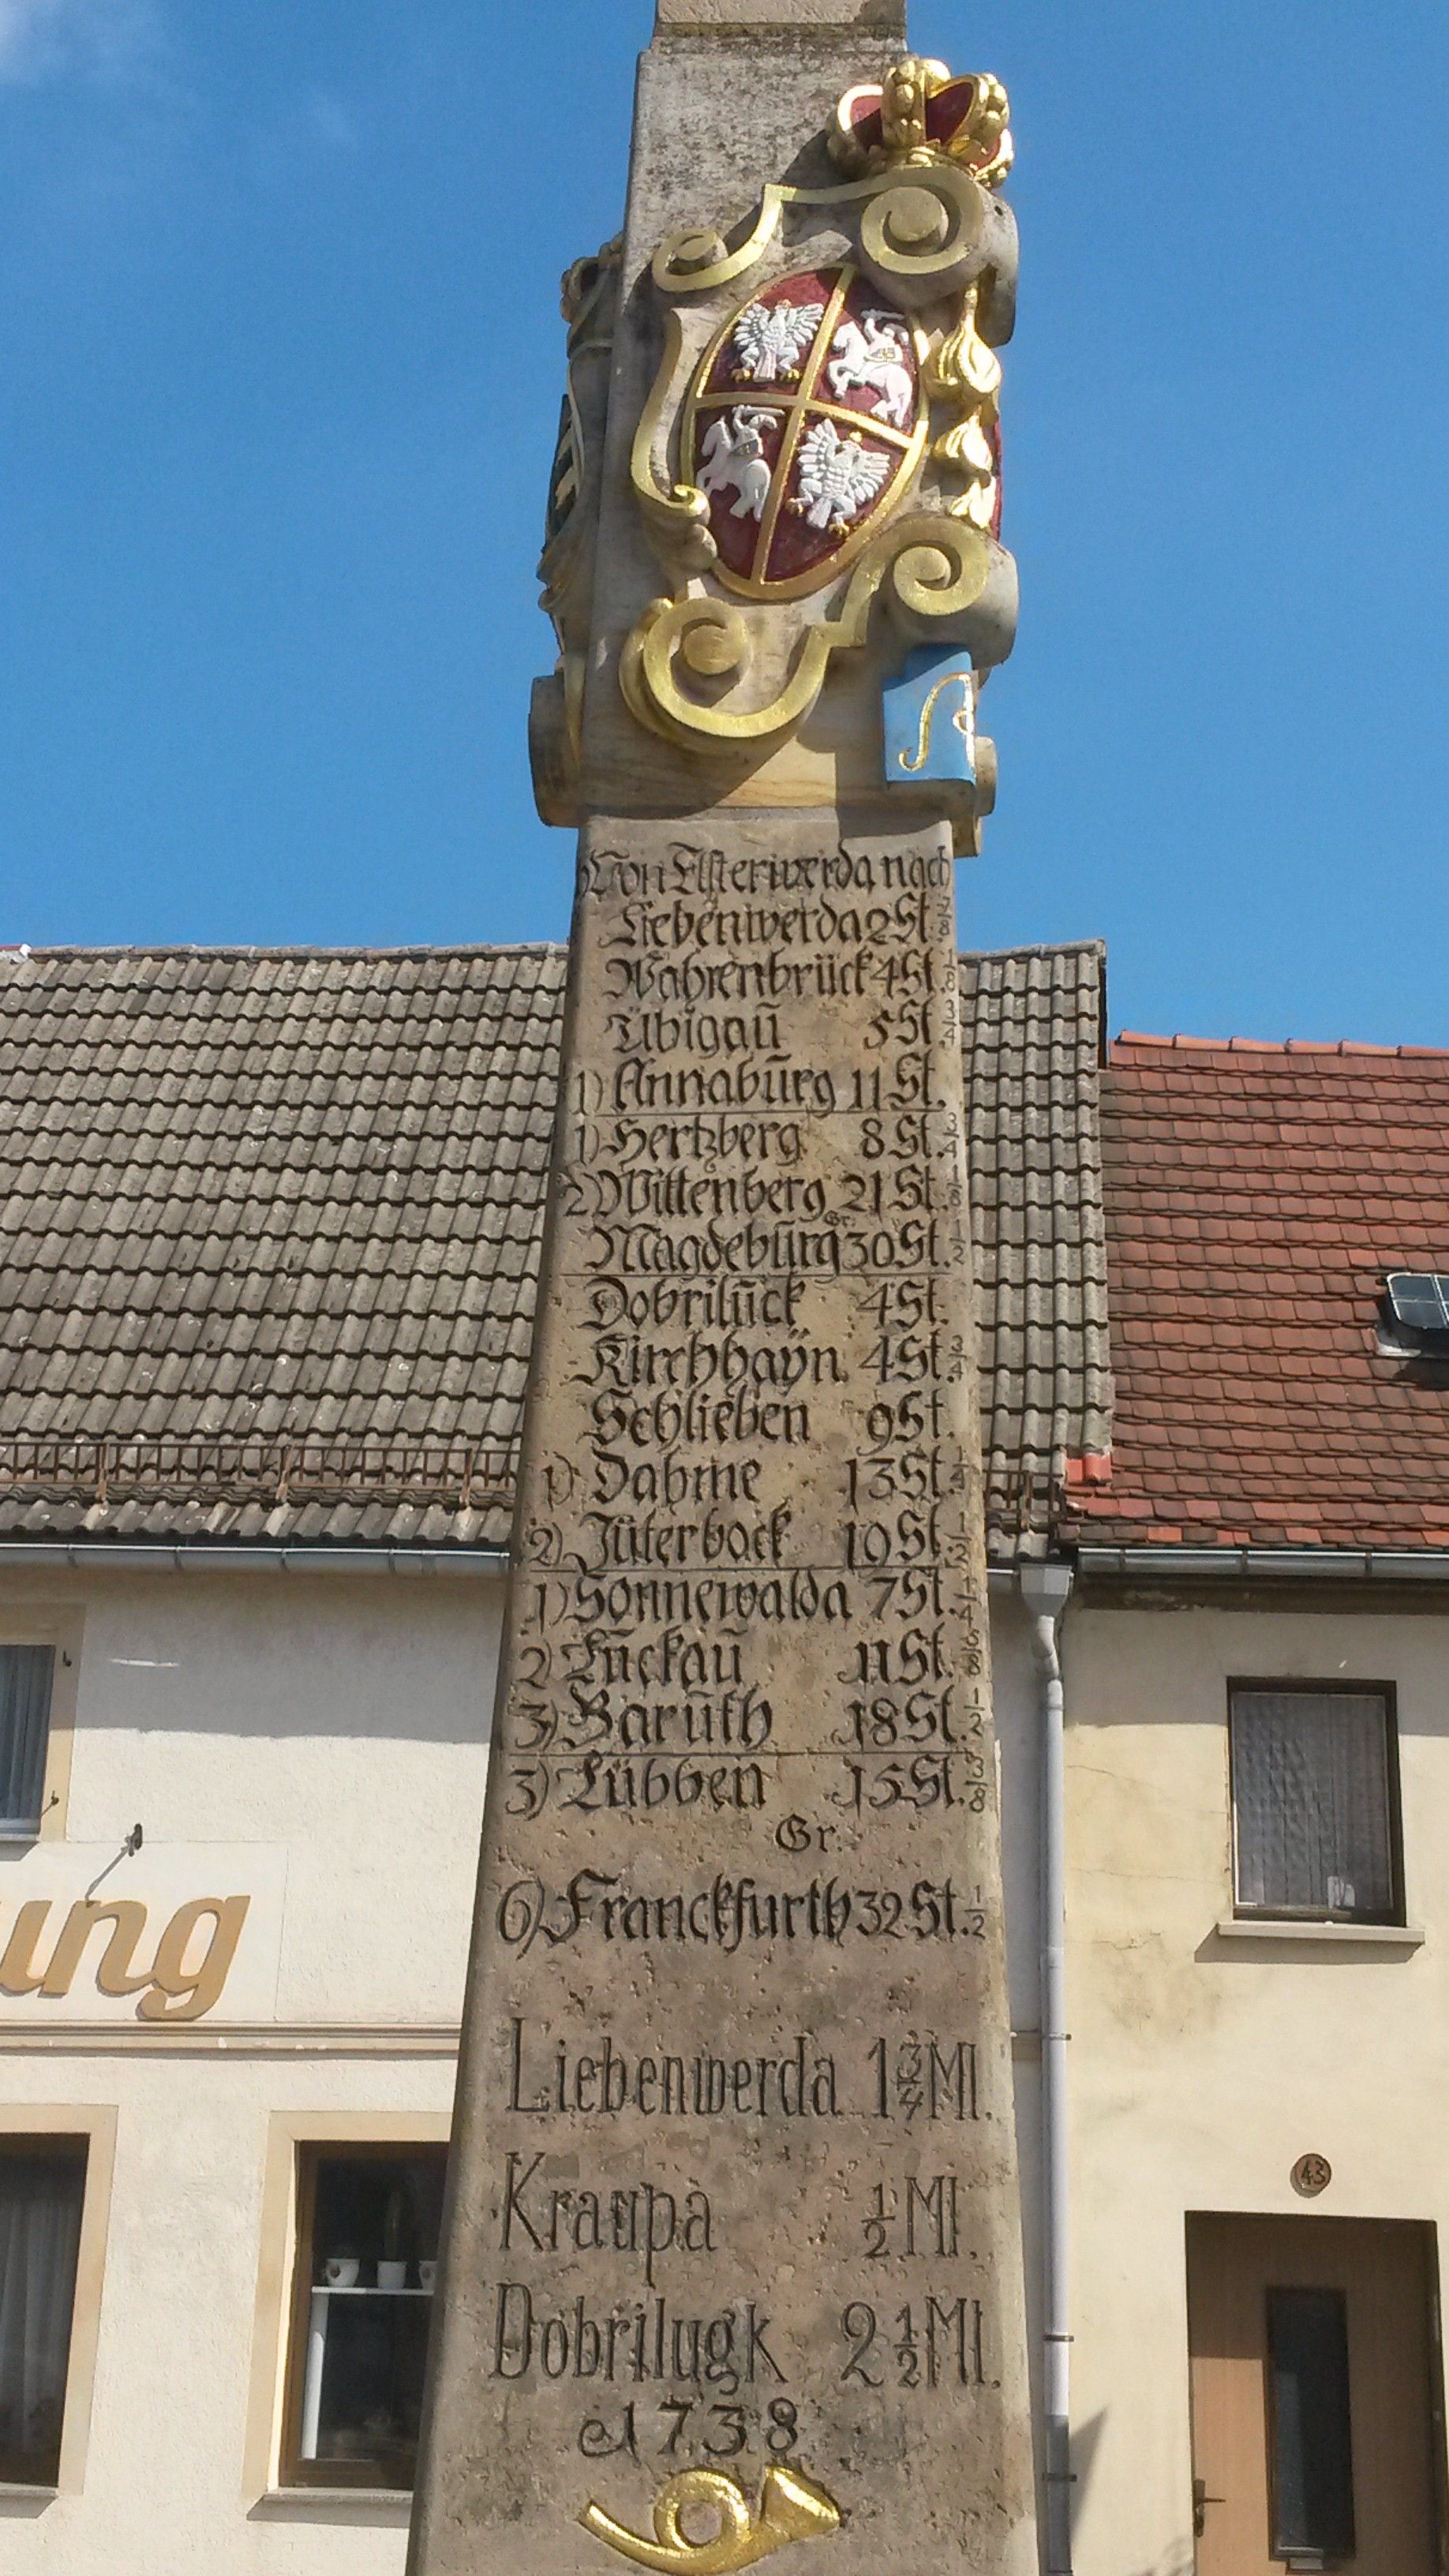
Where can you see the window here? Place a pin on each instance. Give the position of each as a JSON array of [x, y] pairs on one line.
[[1418, 1302], [1310, 2445], [27, 1677], [1315, 1802], [367, 2245], [42, 2187]]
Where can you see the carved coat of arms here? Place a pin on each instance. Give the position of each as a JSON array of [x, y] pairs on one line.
[[817, 468], [803, 424]]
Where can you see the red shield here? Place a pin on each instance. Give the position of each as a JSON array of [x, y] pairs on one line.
[[804, 425]]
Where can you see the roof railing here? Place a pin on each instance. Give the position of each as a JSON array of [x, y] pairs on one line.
[[140, 1466]]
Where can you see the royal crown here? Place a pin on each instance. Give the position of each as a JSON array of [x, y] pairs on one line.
[[919, 114]]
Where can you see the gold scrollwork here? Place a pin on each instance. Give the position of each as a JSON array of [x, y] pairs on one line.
[[922, 150], [923, 227], [688, 261], [916, 224], [588, 298], [937, 568], [792, 2508], [675, 514], [931, 567], [968, 373]]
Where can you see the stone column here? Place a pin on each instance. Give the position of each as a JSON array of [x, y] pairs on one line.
[[732, 2255]]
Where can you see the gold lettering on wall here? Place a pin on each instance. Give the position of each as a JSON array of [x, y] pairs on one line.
[[19, 1974], [128, 1921], [194, 1994], [177, 1986]]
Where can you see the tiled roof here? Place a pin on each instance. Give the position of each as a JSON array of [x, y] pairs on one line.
[[1256, 1196], [1033, 1020], [252, 1199], [270, 1224]]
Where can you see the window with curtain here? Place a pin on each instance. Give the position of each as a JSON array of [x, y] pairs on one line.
[[26, 1677], [1315, 1799], [42, 2187]]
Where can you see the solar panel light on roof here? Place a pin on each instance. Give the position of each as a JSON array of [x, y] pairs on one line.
[[1419, 1300]]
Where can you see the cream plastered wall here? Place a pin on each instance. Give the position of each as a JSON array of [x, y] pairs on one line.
[[337, 1725], [165, 2482], [320, 1745], [1016, 1701], [336, 1729], [1202, 2067]]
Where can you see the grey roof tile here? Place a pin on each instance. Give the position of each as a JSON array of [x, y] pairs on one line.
[[273, 1219]]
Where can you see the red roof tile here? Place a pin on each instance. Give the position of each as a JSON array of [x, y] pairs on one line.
[[1255, 1198]]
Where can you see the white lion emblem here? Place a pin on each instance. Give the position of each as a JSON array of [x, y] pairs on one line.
[[869, 353], [733, 456], [770, 340], [837, 476]]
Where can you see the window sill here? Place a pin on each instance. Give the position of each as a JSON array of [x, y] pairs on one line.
[[13, 2492], [393, 2503], [1322, 1936]]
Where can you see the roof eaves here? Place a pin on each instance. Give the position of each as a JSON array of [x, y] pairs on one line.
[[1169, 1563]]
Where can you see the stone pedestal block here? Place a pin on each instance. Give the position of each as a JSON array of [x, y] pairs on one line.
[[734, 2182], [728, 16]]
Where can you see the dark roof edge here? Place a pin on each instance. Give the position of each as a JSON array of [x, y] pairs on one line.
[[246, 1557], [1043, 948], [28, 951], [1166, 1564], [160, 1557]]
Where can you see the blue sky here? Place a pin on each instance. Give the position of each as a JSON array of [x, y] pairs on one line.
[[280, 363]]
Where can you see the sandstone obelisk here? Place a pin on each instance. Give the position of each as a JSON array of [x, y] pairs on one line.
[[732, 2259]]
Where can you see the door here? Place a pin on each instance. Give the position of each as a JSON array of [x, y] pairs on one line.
[[1314, 2411]]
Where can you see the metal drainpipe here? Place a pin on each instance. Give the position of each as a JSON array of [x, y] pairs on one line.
[[1044, 1592]]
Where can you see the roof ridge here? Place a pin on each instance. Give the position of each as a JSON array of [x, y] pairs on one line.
[[1043, 948], [1130, 1038], [240, 948], [27, 950]]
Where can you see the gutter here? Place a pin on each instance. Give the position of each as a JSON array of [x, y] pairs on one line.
[[1257, 1564], [1045, 1589], [281, 1557], [106, 1555]]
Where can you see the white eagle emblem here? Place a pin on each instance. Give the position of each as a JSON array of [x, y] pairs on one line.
[[770, 340], [733, 459], [837, 476]]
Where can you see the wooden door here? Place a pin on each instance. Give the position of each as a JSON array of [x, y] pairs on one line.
[[1313, 2396]]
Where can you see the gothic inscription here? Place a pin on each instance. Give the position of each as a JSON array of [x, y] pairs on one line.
[[738, 2188]]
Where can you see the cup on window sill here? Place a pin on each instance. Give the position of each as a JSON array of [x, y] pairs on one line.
[[340, 2271], [391, 2275], [427, 2275]]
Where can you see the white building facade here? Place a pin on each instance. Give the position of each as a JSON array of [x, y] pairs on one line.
[[254, 2009], [246, 1680]]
